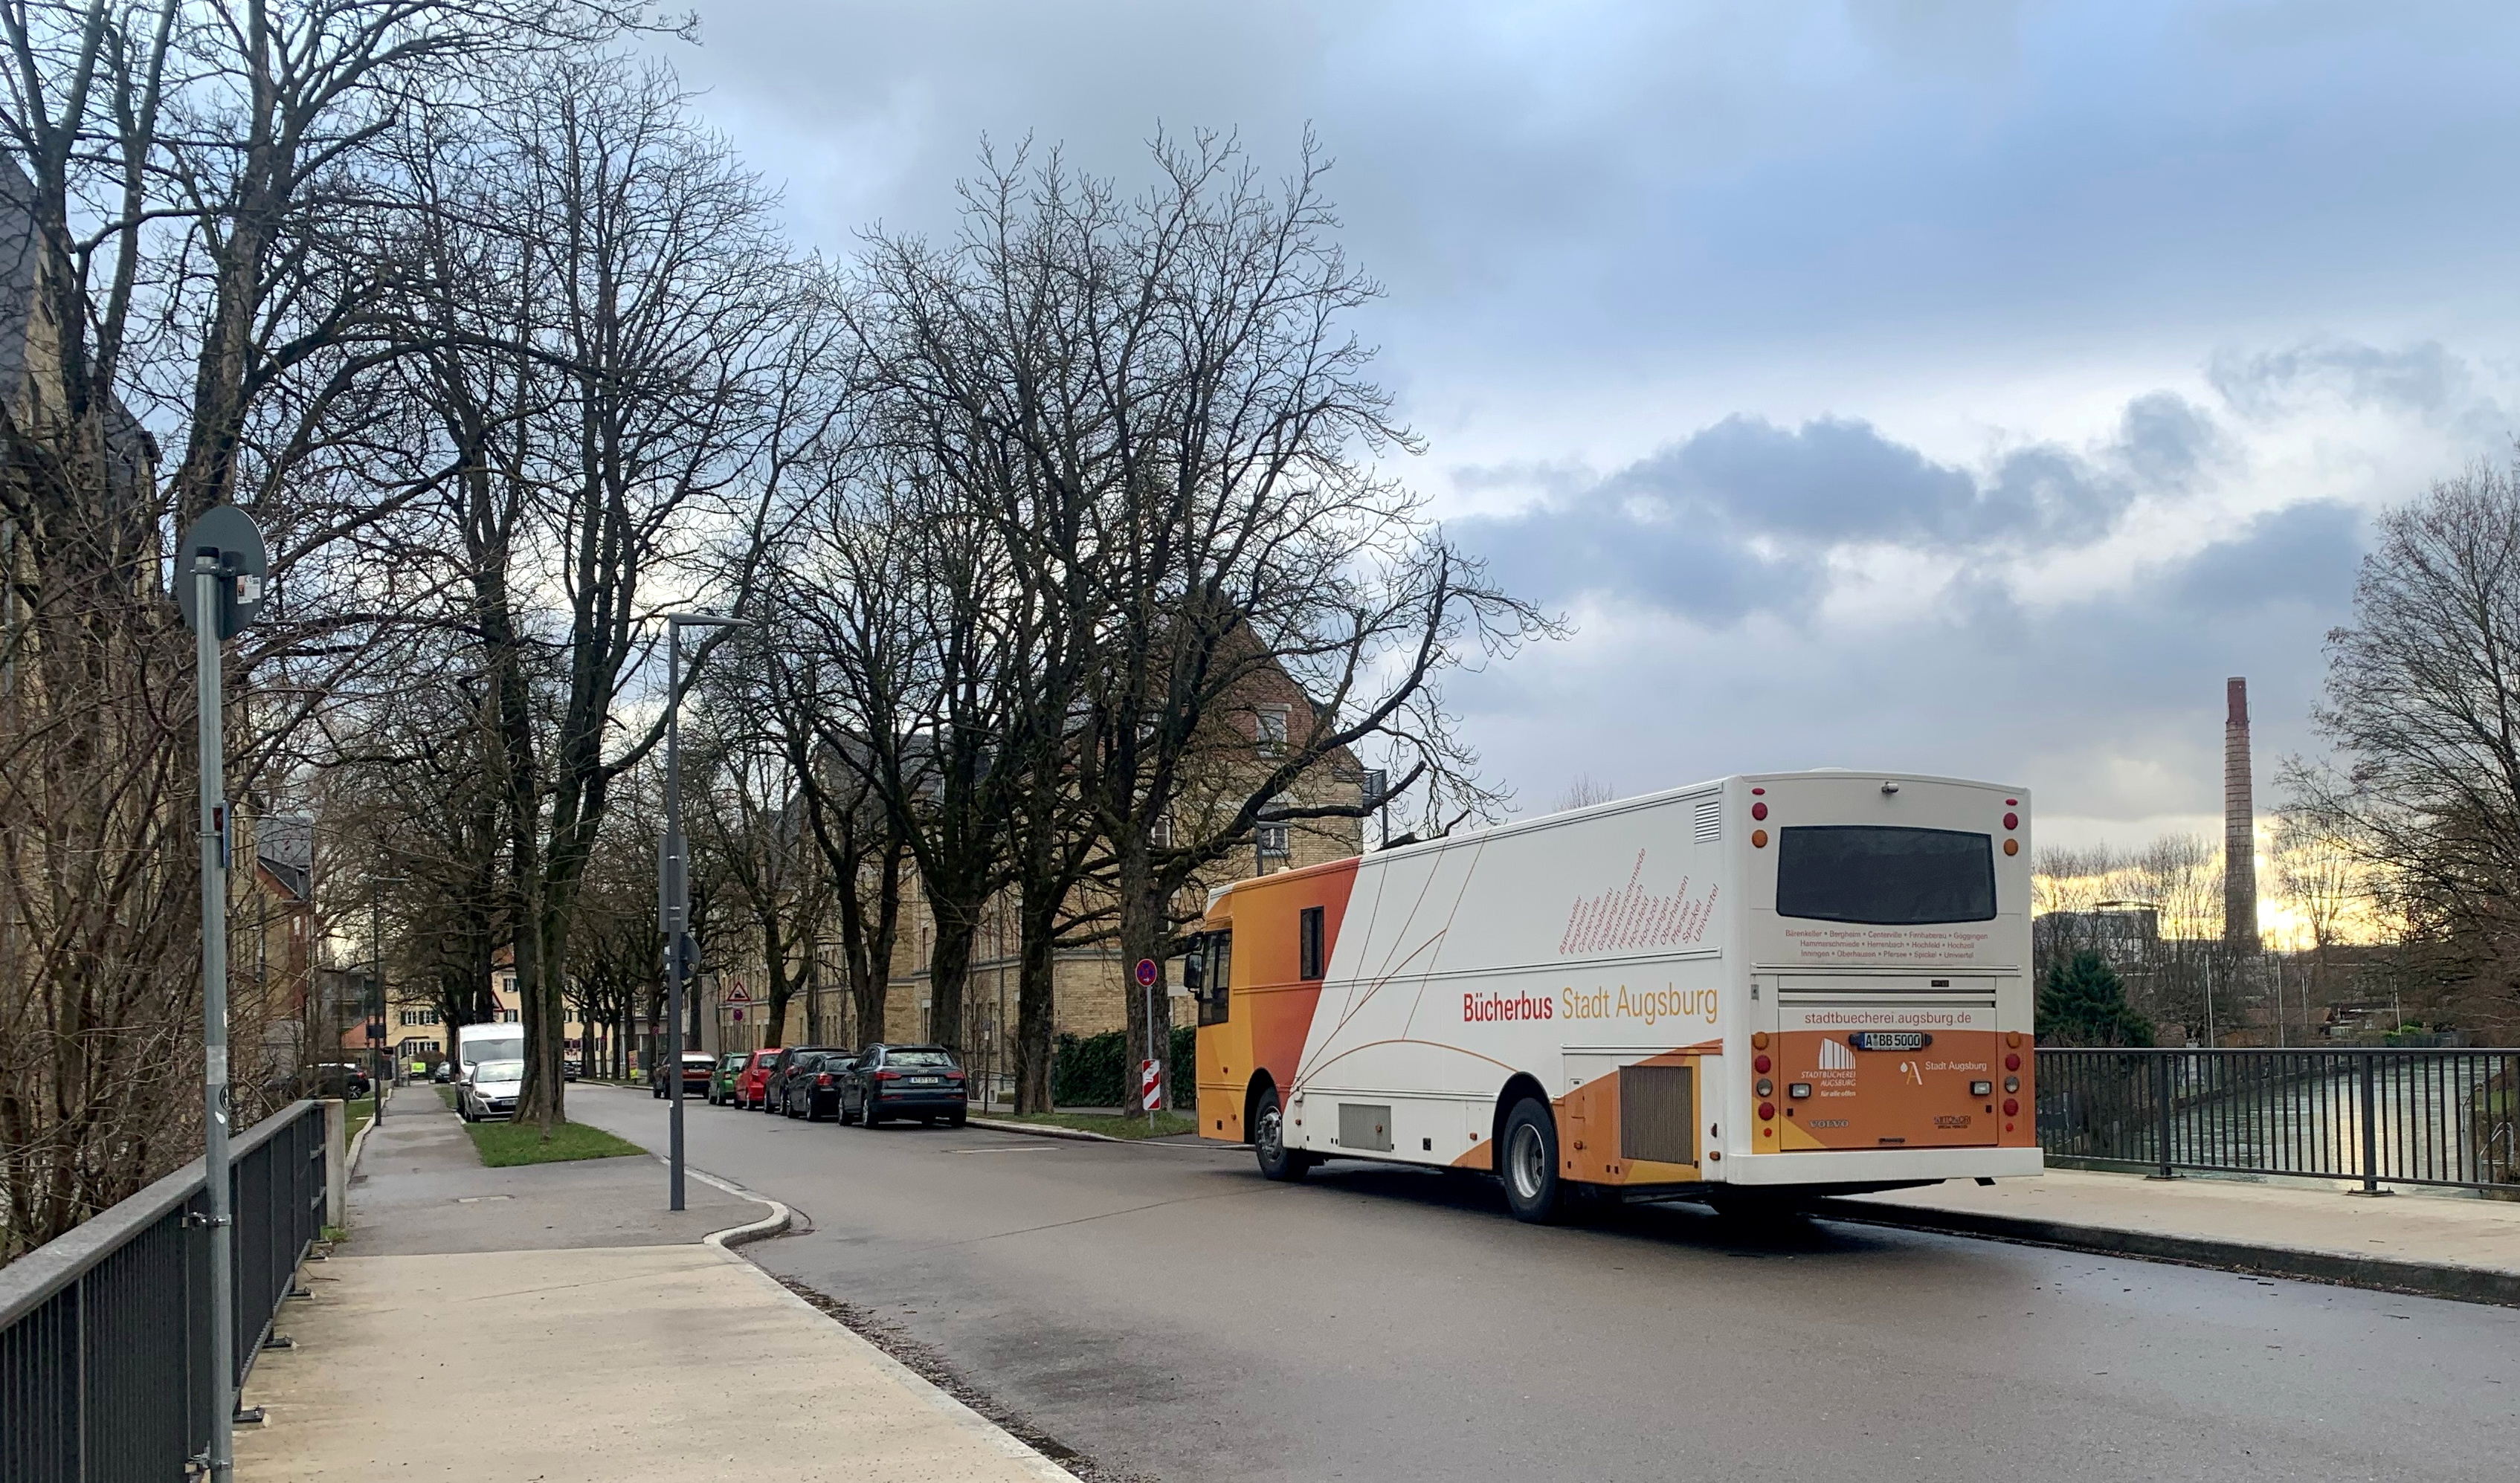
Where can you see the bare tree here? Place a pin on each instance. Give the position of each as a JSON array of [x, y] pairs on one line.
[[2423, 701], [189, 224]]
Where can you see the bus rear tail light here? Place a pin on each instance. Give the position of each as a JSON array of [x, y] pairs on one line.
[[1767, 1111], [1762, 1064], [1758, 811], [2012, 1062], [2011, 1109]]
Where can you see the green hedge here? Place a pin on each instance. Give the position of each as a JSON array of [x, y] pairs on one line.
[[1098, 1070]]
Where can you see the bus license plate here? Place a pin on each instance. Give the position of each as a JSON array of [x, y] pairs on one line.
[[1889, 1040]]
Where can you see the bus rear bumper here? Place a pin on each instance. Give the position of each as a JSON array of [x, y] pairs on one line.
[[1886, 1165]]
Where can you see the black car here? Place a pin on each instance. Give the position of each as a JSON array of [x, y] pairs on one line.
[[343, 1079], [923, 1082], [812, 1087], [774, 1087]]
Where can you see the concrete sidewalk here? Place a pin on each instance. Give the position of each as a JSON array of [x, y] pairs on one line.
[[2439, 1246], [555, 1321]]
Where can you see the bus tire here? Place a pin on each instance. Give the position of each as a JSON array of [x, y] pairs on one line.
[[1527, 1165], [1269, 1142]]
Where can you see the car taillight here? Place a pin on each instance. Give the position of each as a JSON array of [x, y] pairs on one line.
[[887, 1076], [822, 1080], [953, 1076]]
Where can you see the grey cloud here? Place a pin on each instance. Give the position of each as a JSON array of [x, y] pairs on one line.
[[2054, 697], [1737, 515], [2166, 438], [2424, 378]]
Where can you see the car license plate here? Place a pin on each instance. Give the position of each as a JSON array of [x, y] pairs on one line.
[[1889, 1040], [926, 1081]]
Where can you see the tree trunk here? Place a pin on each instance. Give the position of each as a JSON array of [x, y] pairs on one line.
[[1036, 1009], [1145, 934]]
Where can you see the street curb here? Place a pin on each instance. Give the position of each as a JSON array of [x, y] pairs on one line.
[[1046, 1130], [358, 1146], [776, 1221], [2466, 1284], [1079, 1135]]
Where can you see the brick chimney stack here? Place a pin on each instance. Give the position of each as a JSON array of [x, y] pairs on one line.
[[2239, 825]]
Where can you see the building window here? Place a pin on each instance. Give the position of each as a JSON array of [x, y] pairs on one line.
[[412, 1017], [507, 1016], [1160, 832], [1274, 841], [1308, 943], [1272, 732]]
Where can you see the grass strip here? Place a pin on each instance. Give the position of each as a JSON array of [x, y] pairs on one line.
[[357, 1113], [1132, 1125], [506, 1144]]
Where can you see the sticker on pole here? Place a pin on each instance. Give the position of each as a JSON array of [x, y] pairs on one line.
[[1151, 1085], [1146, 972]]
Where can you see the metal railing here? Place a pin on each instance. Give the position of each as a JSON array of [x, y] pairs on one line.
[[105, 1345], [2381, 1116]]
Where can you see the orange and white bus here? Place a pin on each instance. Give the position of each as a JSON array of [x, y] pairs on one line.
[[1749, 991]]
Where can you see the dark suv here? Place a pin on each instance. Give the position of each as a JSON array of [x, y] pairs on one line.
[[904, 1081], [813, 1086], [774, 1087]]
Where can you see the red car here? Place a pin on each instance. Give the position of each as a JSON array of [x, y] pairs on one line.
[[749, 1081]]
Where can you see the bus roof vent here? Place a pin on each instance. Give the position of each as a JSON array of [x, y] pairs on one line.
[[1706, 821]]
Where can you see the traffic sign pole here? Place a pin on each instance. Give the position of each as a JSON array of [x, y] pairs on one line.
[[219, 587], [205, 579]]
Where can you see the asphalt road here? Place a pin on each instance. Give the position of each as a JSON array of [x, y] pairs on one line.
[[1170, 1315]]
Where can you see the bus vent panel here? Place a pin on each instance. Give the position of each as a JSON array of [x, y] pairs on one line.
[[1657, 1115]]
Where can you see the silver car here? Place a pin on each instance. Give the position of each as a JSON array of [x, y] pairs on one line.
[[488, 1091]]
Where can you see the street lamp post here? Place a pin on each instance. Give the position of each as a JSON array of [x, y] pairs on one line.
[[674, 892], [376, 1055]]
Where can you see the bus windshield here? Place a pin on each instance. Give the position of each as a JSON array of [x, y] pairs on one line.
[[1884, 875]]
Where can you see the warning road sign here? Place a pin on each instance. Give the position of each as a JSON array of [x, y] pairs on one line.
[[1150, 1085]]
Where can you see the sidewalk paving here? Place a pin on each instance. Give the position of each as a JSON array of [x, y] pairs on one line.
[[553, 1322], [2441, 1246]]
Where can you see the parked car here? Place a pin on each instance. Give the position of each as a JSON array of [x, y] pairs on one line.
[[812, 1089], [339, 1078], [444, 1075], [755, 1075], [489, 1090], [904, 1081], [697, 1067], [722, 1082], [774, 1087]]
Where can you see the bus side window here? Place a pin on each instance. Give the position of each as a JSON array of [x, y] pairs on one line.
[[1215, 958]]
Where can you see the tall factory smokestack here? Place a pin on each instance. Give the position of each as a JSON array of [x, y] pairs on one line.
[[2239, 825]]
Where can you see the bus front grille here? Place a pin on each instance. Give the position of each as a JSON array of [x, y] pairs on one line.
[[1657, 1114]]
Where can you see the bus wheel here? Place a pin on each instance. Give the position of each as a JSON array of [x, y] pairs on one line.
[[1269, 1142], [1529, 1167]]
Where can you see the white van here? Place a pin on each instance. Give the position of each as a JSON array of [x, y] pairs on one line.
[[1773, 986]]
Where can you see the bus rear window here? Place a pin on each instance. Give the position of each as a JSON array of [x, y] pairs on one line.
[[1884, 876]]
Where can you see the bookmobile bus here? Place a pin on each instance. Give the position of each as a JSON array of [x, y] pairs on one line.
[[1750, 992]]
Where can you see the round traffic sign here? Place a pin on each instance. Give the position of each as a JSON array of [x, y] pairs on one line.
[[1146, 972], [228, 535]]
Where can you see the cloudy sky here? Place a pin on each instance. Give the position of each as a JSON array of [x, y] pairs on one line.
[[1955, 387]]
